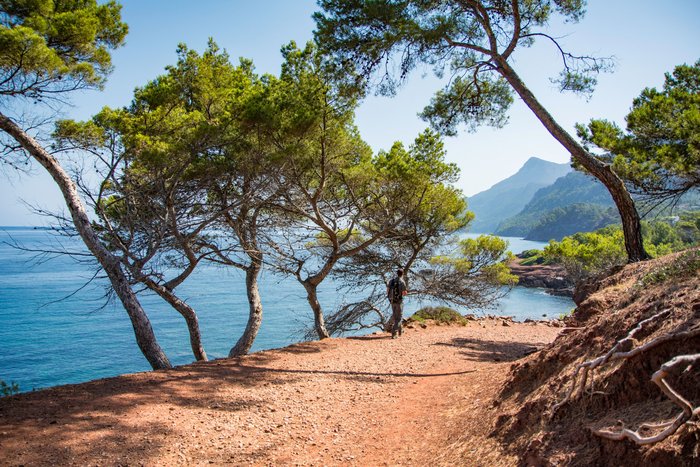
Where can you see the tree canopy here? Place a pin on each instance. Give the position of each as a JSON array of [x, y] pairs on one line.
[[49, 47], [185, 175], [659, 151], [468, 273], [586, 254], [467, 40], [473, 41]]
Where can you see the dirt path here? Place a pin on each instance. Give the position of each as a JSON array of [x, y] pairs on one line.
[[422, 399]]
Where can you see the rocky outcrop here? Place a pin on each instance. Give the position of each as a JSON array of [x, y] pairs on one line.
[[552, 278]]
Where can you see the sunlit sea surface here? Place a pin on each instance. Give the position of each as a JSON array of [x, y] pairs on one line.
[[55, 330]]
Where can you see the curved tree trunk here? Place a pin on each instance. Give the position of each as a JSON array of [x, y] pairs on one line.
[[245, 342], [319, 320], [143, 331], [631, 224], [188, 313]]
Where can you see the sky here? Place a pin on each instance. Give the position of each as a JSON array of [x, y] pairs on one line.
[[647, 38]]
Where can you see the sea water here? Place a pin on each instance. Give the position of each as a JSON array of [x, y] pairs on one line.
[[56, 326]]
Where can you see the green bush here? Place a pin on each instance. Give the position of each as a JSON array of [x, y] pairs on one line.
[[567, 314], [8, 389], [439, 314], [529, 253], [590, 253]]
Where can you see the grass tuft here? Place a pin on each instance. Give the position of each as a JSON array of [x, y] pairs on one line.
[[686, 265]]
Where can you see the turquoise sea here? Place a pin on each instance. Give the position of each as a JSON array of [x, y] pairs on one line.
[[55, 328]]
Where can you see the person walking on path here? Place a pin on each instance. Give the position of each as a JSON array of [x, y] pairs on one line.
[[395, 291]]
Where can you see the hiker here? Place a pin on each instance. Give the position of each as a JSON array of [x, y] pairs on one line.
[[395, 291]]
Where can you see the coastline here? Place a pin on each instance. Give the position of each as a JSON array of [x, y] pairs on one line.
[[552, 278], [52, 337]]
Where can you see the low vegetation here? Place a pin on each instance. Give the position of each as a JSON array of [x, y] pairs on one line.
[[8, 389], [440, 315], [687, 264], [592, 253], [532, 257]]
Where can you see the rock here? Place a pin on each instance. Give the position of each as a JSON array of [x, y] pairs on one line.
[[543, 276]]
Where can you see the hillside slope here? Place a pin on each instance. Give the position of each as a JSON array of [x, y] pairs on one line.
[[508, 197], [666, 293], [574, 203]]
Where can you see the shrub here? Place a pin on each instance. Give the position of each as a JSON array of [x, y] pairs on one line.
[[591, 253], [8, 389], [586, 254], [439, 314], [686, 265], [529, 253]]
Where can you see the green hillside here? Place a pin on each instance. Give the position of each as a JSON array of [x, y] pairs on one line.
[[508, 197], [557, 223], [573, 203]]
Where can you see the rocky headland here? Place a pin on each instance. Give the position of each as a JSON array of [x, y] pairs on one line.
[[553, 278]]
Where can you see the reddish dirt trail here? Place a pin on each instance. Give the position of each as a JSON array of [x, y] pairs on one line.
[[356, 401]]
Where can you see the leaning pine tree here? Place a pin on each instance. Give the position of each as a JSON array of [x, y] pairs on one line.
[[47, 50], [476, 40]]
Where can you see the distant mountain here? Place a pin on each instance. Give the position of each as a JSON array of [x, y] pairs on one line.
[[573, 203], [558, 223], [508, 197]]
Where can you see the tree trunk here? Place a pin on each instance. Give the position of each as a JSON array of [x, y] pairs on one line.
[[255, 313], [143, 331], [631, 224], [188, 313], [319, 321]]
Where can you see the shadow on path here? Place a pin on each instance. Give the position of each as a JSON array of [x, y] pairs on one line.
[[489, 350], [254, 369], [103, 411]]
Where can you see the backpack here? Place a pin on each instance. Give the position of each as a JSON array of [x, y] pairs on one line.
[[395, 290]]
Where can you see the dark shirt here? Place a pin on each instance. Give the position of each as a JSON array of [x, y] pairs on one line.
[[396, 282]]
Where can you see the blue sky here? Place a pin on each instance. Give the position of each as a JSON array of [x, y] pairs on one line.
[[647, 39]]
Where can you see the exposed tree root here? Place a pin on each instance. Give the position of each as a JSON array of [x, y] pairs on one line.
[[621, 347], [622, 350], [674, 367]]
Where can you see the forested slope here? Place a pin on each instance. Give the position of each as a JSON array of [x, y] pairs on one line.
[[573, 203], [508, 197]]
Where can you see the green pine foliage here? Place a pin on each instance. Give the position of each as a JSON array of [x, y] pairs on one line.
[[659, 151], [49, 46], [590, 253]]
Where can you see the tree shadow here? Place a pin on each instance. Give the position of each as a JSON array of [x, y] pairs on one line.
[[95, 421], [488, 350], [369, 337], [353, 374], [301, 348]]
